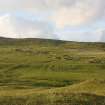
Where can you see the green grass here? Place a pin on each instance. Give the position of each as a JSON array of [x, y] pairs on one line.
[[48, 72]]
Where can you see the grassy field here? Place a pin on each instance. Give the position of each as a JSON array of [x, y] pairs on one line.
[[48, 72]]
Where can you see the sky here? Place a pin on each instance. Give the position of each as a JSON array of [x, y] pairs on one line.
[[74, 20]]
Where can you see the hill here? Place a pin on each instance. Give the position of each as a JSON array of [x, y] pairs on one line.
[[51, 72]]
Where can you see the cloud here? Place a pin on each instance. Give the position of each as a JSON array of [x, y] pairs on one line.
[[52, 15], [17, 27], [97, 35], [62, 12], [79, 13]]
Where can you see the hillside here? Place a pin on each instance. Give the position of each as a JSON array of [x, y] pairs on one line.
[[51, 72]]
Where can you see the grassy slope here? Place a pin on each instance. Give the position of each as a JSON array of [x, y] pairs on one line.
[[47, 72]]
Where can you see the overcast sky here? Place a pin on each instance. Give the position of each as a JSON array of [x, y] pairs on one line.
[[73, 19]]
